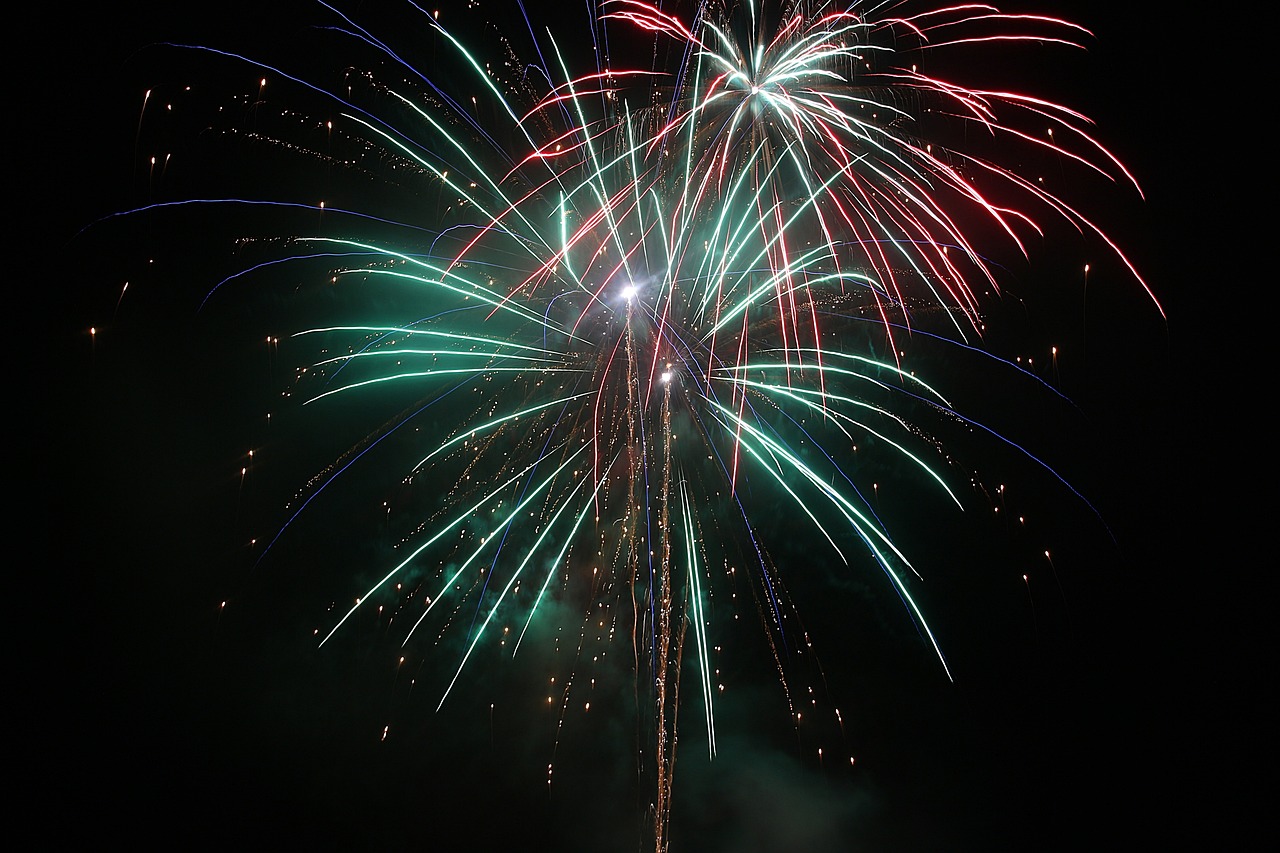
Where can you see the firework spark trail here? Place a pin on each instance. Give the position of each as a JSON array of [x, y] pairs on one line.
[[679, 249]]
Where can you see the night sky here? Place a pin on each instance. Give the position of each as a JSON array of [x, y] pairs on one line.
[[1088, 711]]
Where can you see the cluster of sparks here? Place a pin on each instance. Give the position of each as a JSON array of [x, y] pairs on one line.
[[651, 303]]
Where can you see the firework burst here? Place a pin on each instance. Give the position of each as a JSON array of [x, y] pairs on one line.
[[629, 294]]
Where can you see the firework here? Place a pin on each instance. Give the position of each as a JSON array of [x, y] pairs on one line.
[[634, 294]]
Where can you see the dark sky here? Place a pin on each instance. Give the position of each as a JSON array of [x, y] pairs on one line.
[[1086, 710]]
